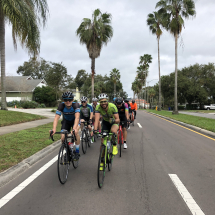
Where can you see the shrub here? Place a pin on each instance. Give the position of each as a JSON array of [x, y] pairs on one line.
[[42, 106]]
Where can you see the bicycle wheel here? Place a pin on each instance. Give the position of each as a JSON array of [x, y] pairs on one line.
[[74, 162], [88, 138], [101, 173], [84, 141], [132, 119], [110, 157], [120, 143], [63, 164]]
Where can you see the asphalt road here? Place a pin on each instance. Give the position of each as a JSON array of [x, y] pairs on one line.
[[139, 182]]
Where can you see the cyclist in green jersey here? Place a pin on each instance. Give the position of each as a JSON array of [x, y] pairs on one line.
[[110, 116]]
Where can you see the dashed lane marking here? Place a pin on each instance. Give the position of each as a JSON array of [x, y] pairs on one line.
[[4, 200], [184, 127], [139, 125], [192, 205]]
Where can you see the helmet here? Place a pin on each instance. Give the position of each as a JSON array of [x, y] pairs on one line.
[[67, 95], [114, 99], [95, 99], [118, 100], [83, 98], [126, 100], [103, 96], [133, 101]]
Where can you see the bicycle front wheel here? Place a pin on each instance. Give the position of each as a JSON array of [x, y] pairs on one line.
[[110, 157], [84, 141], [101, 167], [63, 164], [89, 138]]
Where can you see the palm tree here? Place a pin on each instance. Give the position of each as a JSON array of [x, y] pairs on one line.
[[145, 60], [94, 34], [155, 21], [24, 16], [115, 76], [176, 9]]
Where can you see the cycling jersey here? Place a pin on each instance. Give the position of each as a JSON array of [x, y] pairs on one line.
[[133, 106], [112, 109], [68, 113], [122, 110], [85, 111], [94, 107]]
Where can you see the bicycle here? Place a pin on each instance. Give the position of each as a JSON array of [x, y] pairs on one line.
[[105, 157], [85, 137], [120, 136], [132, 117], [65, 156]]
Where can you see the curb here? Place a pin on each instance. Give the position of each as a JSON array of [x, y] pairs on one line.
[[19, 168], [200, 130]]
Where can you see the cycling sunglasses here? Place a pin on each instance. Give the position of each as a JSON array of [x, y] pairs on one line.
[[102, 102], [66, 100]]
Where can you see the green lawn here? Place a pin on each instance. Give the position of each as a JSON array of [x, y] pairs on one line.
[[12, 117], [202, 122], [17, 146]]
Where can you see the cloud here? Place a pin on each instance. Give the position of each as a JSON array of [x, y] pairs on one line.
[[131, 39]]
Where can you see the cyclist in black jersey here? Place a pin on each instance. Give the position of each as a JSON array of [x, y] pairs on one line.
[[129, 109], [71, 115]]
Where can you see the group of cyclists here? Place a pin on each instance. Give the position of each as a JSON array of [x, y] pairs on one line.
[[105, 116]]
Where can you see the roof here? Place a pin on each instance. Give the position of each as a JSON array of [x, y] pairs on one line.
[[21, 83]]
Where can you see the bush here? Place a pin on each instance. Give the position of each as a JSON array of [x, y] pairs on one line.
[[42, 106]]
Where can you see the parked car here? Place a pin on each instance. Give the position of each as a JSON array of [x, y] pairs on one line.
[[209, 107]]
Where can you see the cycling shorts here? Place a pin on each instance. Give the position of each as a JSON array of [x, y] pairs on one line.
[[67, 125], [123, 119], [106, 126]]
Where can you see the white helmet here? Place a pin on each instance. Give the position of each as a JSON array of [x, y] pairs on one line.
[[83, 98], [95, 99], [103, 96]]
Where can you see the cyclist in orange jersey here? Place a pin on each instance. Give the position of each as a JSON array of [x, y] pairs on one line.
[[134, 107]]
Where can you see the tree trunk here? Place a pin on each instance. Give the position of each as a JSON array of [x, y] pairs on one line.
[[176, 74], [159, 105], [93, 73], [114, 89], [2, 50], [133, 95], [145, 92]]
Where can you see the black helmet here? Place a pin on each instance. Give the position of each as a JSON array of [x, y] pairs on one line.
[[126, 100], [68, 95], [118, 101], [133, 101]]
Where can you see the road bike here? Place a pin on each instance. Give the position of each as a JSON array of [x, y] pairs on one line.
[[120, 136], [105, 156], [65, 156], [85, 137], [132, 117]]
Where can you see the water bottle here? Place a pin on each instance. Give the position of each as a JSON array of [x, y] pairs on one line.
[[108, 144], [71, 145]]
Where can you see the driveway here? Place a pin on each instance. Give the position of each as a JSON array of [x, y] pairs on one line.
[[206, 115]]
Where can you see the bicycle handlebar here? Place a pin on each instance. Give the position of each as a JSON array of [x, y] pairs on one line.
[[61, 132]]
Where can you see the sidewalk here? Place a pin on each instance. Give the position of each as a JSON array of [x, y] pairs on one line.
[[23, 126]]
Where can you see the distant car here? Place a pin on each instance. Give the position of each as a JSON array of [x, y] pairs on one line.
[[209, 107]]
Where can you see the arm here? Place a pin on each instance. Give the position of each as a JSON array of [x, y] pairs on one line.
[[97, 116], [77, 117], [116, 117], [56, 119]]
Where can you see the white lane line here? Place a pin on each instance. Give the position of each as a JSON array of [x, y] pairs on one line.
[[192, 205], [4, 200], [139, 125]]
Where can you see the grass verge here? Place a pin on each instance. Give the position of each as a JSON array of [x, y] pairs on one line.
[[202, 122], [17, 146], [12, 117]]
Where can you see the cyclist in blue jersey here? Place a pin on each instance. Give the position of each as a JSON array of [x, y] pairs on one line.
[[86, 113], [71, 115]]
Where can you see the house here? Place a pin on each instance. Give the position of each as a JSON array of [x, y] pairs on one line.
[[21, 87], [77, 94]]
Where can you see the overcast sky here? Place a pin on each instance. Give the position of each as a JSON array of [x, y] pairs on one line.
[[131, 39]]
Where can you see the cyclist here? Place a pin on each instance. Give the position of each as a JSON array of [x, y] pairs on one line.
[[71, 114], [123, 116], [94, 104], [129, 109], [86, 114], [110, 116], [134, 107]]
